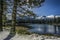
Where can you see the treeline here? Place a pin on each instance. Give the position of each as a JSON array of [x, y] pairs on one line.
[[36, 21]]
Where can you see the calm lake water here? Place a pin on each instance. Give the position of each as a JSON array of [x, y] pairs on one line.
[[44, 29]]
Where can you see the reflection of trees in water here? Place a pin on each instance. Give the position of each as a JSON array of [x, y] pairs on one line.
[[46, 29], [55, 29], [58, 29]]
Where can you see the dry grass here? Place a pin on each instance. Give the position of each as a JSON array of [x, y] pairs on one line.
[[22, 30]]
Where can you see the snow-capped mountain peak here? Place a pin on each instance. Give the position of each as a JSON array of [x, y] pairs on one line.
[[50, 16]]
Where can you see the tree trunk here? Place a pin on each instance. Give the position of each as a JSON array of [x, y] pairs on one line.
[[4, 13], [1, 12], [14, 17]]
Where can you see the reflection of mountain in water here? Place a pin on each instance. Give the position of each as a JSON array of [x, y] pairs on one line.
[[44, 29]]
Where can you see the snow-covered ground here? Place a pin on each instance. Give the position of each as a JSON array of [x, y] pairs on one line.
[[34, 37], [4, 34]]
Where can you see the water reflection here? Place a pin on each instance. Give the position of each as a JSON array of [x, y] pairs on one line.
[[44, 29]]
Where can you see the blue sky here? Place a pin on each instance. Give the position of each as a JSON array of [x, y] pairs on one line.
[[49, 7]]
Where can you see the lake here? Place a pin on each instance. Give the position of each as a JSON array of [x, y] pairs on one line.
[[44, 29]]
